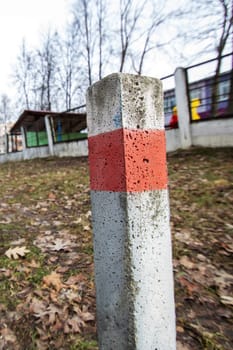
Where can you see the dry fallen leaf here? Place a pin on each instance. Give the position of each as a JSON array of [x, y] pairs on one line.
[[47, 242], [37, 307], [190, 286], [186, 262], [18, 241], [33, 264], [227, 300], [180, 329], [60, 244], [16, 252], [73, 325], [54, 280], [52, 196], [84, 315], [5, 272], [181, 346], [221, 183], [76, 279], [8, 337], [52, 312], [223, 280]]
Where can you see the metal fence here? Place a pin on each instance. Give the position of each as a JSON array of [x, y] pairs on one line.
[[66, 130], [210, 95]]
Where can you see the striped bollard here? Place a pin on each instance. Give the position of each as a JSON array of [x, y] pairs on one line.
[[130, 212]]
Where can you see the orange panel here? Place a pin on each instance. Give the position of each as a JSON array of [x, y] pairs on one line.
[[145, 159], [128, 161]]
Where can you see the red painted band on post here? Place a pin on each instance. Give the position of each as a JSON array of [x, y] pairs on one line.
[[128, 161]]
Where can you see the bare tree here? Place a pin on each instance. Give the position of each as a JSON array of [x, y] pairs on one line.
[[88, 37], [22, 74], [83, 18], [47, 69], [5, 110], [92, 18], [119, 36], [148, 38], [34, 74], [128, 24], [70, 69], [101, 18]]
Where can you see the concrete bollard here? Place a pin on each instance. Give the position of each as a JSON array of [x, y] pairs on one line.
[[130, 211]]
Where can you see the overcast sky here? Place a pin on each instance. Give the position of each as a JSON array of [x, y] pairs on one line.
[[30, 18], [25, 18]]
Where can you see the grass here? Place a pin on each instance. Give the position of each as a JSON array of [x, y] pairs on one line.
[[45, 201]]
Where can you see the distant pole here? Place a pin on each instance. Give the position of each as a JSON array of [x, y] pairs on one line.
[[183, 107], [6, 143], [130, 211], [24, 137], [49, 135]]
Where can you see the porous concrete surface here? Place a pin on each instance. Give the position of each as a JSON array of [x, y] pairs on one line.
[[132, 243], [133, 270], [128, 160], [124, 101]]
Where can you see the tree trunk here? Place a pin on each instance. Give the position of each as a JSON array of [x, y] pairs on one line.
[[214, 95]]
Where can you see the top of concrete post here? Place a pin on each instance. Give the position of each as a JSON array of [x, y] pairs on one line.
[[125, 97]]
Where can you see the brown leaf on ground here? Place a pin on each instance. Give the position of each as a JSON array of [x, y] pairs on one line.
[[5, 272], [53, 311], [59, 244], [84, 314], [41, 345], [224, 282], [76, 279], [17, 252], [190, 286], [52, 196], [18, 241], [37, 307], [8, 339], [186, 262], [181, 346], [226, 300], [73, 325], [33, 264], [54, 280], [62, 242]]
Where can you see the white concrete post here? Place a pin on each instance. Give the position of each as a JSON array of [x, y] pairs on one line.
[[23, 133], [130, 211], [182, 102], [49, 134]]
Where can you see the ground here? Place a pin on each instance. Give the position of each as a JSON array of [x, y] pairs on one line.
[[47, 295]]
